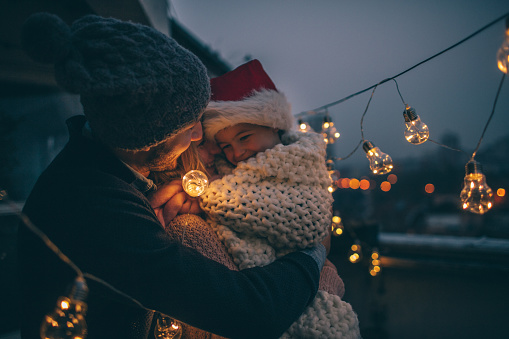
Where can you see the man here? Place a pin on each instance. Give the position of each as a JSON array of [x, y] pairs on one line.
[[142, 97]]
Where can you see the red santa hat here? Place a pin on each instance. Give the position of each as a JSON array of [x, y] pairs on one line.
[[246, 95]]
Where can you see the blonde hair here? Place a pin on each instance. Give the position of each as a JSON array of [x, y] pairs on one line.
[[188, 160]]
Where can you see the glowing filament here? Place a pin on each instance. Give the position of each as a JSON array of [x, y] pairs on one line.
[[195, 183], [329, 132], [416, 131], [68, 318], [379, 162], [476, 196], [503, 52]]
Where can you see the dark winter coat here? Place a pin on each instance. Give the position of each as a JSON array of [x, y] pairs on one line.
[[87, 204]]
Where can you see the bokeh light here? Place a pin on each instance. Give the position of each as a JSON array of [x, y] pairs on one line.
[[429, 188], [392, 178], [354, 184], [501, 192], [364, 184], [385, 186]]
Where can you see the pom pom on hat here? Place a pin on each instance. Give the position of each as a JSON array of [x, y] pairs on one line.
[[246, 95], [46, 38], [138, 87]]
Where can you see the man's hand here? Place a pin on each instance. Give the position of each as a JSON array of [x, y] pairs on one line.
[[170, 200]]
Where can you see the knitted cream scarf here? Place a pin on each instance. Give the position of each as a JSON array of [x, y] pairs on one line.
[[275, 203]]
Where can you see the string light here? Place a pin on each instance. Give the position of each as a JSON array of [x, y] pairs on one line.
[[416, 131], [476, 196], [304, 126], [503, 51], [424, 135], [167, 328], [333, 174], [375, 264], [195, 183], [355, 254], [329, 132], [68, 318], [337, 225], [379, 162]]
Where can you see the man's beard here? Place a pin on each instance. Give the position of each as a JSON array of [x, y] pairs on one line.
[[162, 159]]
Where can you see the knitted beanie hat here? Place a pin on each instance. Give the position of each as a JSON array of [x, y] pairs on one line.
[[138, 87], [245, 95]]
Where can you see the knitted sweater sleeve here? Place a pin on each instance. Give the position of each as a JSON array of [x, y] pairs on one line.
[[194, 232]]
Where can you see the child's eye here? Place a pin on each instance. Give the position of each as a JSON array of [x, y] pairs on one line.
[[244, 137], [223, 147]]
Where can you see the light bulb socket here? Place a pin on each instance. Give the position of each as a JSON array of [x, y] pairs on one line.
[[409, 114], [327, 119], [330, 165], [367, 146], [473, 167], [79, 289]]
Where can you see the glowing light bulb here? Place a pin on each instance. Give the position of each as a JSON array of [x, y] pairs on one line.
[[329, 132], [304, 126], [337, 225], [355, 253], [503, 51], [333, 174], [167, 328], [476, 196], [379, 162], [416, 131], [68, 318], [195, 183], [374, 266]]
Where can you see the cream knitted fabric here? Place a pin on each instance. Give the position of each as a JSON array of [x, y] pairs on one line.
[[275, 203]]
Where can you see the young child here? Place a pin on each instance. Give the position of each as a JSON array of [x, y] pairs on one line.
[[273, 197]]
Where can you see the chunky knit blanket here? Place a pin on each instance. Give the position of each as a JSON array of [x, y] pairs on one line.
[[275, 203]]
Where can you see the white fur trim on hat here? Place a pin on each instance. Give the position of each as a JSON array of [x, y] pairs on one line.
[[265, 107]]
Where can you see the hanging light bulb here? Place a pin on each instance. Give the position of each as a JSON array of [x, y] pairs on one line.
[[329, 132], [379, 162], [503, 51], [337, 225], [355, 253], [374, 266], [416, 131], [333, 174], [195, 183], [68, 318], [167, 328], [476, 196], [304, 126]]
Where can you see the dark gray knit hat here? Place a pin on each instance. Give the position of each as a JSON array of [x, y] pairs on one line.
[[138, 87]]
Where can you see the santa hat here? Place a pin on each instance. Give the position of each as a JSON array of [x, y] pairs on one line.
[[246, 95]]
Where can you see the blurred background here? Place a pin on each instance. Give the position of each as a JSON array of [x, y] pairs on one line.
[[442, 272]]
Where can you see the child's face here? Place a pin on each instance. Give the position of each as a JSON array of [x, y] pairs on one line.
[[242, 141]]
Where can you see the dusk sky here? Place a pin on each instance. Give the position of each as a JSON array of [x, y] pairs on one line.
[[317, 52]]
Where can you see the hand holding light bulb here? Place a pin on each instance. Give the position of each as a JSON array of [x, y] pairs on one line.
[[195, 183], [178, 197]]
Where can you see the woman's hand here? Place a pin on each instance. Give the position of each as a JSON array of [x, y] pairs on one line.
[[170, 200]]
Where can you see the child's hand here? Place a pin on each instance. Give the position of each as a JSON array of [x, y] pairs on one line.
[[170, 200]]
